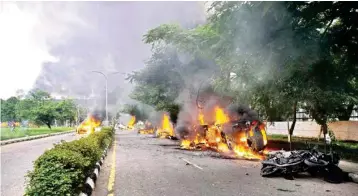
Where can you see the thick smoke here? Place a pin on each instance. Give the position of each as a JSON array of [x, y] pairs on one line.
[[252, 60], [102, 36]]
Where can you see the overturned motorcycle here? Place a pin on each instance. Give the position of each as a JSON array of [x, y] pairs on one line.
[[290, 163]]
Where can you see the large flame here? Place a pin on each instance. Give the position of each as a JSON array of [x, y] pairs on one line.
[[263, 132], [213, 136], [201, 118], [220, 116], [241, 147], [88, 125], [131, 122], [166, 129]]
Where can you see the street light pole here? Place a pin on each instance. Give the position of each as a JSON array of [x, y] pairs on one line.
[[106, 78]]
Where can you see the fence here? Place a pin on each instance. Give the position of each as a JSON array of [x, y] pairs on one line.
[[343, 130], [303, 115]]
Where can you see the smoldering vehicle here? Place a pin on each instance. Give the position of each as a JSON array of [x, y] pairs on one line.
[[236, 129]]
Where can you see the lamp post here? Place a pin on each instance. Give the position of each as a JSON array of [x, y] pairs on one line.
[[106, 78]]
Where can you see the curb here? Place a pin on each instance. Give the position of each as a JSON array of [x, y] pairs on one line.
[[91, 180], [33, 137]]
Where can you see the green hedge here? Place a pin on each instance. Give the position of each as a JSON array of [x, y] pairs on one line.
[[62, 170]]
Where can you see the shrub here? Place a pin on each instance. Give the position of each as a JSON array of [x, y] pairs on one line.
[[87, 147], [62, 170]]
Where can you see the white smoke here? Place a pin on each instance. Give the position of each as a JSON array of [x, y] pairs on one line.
[[28, 33]]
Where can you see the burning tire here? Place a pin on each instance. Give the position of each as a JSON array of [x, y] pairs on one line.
[[269, 170]]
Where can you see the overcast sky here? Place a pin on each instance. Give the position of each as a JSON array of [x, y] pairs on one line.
[[55, 45]]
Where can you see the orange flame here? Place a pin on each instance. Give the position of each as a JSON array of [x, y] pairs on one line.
[[167, 128], [201, 118], [88, 125], [185, 144], [263, 132], [222, 147], [242, 149], [220, 116], [148, 129], [213, 137], [131, 122]]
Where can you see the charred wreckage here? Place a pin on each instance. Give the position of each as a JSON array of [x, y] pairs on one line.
[[242, 133], [290, 164]]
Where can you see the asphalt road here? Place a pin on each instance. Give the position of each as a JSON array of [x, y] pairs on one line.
[[146, 166], [17, 158]]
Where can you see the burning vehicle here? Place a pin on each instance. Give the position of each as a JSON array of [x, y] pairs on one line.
[[166, 130], [89, 125], [148, 128], [131, 123], [290, 163], [236, 131]]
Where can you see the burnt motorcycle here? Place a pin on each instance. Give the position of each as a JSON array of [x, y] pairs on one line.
[[251, 132], [290, 163]]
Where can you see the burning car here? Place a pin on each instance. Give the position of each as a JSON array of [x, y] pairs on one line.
[[89, 125]]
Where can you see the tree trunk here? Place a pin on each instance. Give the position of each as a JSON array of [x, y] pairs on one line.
[[320, 132], [325, 131], [290, 130], [346, 113], [48, 125]]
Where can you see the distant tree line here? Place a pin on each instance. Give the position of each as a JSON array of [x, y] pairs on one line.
[[38, 107]]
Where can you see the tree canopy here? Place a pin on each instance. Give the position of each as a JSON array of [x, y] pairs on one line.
[[38, 107], [274, 56]]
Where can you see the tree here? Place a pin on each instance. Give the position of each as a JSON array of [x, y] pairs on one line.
[[8, 112], [135, 110], [283, 55], [66, 110], [24, 108], [165, 76], [39, 107], [44, 114]]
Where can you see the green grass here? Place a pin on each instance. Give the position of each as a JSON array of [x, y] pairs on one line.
[[6, 133], [346, 149], [347, 144]]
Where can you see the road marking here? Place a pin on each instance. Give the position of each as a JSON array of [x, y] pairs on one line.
[[113, 172], [195, 165]]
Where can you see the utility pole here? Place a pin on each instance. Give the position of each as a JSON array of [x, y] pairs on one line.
[[106, 78], [78, 115]]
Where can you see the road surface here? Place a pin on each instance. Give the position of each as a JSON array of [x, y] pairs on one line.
[[146, 166], [17, 158]]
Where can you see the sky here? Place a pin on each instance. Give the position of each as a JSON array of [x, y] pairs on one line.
[[21, 54], [56, 50]]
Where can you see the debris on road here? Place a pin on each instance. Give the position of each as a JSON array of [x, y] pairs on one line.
[[195, 165]]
